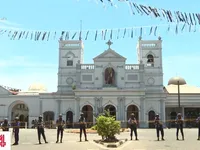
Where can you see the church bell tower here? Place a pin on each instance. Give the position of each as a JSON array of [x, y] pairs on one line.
[[70, 53]]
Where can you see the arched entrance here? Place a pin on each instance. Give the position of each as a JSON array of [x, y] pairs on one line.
[[133, 109], [20, 110], [48, 118], [111, 109], [69, 119], [172, 123], [152, 115], [88, 113]]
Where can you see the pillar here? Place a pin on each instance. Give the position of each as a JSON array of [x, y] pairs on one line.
[[77, 113], [142, 113], [98, 103], [121, 110], [162, 110], [40, 107], [58, 102]]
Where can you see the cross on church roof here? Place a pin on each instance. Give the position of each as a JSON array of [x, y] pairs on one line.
[[109, 43]]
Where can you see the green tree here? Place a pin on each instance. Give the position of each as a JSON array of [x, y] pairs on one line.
[[107, 127]]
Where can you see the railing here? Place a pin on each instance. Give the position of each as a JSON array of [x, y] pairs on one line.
[[87, 66], [149, 45], [132, 67]]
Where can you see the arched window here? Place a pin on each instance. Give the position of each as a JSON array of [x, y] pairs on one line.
[[150, 60]]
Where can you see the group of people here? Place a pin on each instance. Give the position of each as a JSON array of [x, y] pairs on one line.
[[159, 126], [40, 128], [61, 125]]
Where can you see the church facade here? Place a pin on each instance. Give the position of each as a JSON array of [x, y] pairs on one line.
[[107, 84]]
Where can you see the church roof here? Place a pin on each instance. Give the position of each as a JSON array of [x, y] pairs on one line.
[[4, 91], [110, 54], [184, 89]]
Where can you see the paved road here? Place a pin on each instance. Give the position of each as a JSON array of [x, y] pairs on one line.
[[147, 141]]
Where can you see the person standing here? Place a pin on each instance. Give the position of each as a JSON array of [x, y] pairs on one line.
[[40, 130], [179, 126], [198, 125], [5, 125], [60, 128], [159, 127], [16, 126], [82, 123], [133, 126]]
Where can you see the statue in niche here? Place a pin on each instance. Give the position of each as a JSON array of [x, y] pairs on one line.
[[109, 76]]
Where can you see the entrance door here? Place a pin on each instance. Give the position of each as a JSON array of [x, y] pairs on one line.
[[151, 119]]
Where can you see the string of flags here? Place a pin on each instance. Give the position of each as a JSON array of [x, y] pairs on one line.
[[168, 15], [98, 34]]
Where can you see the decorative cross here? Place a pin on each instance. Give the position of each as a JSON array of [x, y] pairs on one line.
[[109, 43]]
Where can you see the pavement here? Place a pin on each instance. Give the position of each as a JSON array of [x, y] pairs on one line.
[[147, 141]]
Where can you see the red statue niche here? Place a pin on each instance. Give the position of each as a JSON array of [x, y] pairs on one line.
[[109, 76]]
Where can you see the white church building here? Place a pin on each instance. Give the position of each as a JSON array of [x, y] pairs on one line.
[[109, 83]]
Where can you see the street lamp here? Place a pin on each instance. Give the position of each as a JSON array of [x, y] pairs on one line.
[[177, 81]]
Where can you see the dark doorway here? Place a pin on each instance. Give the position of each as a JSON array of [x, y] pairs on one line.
[[88, 113], [151, 119], [69, 119], [111, 109]]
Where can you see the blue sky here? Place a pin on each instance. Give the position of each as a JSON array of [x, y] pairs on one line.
[[24, 62]]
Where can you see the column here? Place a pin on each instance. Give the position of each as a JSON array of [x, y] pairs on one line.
[[77, 113], [123, 109], [100, 101], [118, 117], [78, 75], [96, 105], [57, 109], [162, 110], [59, 106], [142, 109], [120, 108], [183, 113], [40, 107]]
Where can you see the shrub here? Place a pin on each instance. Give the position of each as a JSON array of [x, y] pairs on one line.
[[73, 87], [107, 127]]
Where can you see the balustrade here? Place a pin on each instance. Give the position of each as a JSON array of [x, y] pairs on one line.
[[131, 67], [87, 66], [149, 45]]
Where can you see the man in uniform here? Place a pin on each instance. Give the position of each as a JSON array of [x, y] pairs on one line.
[[133, 125], [82, 126], [60, 128], [5, 125], [198, 124], [16, 126], [40, 130], [159, 127], [179, 125]]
